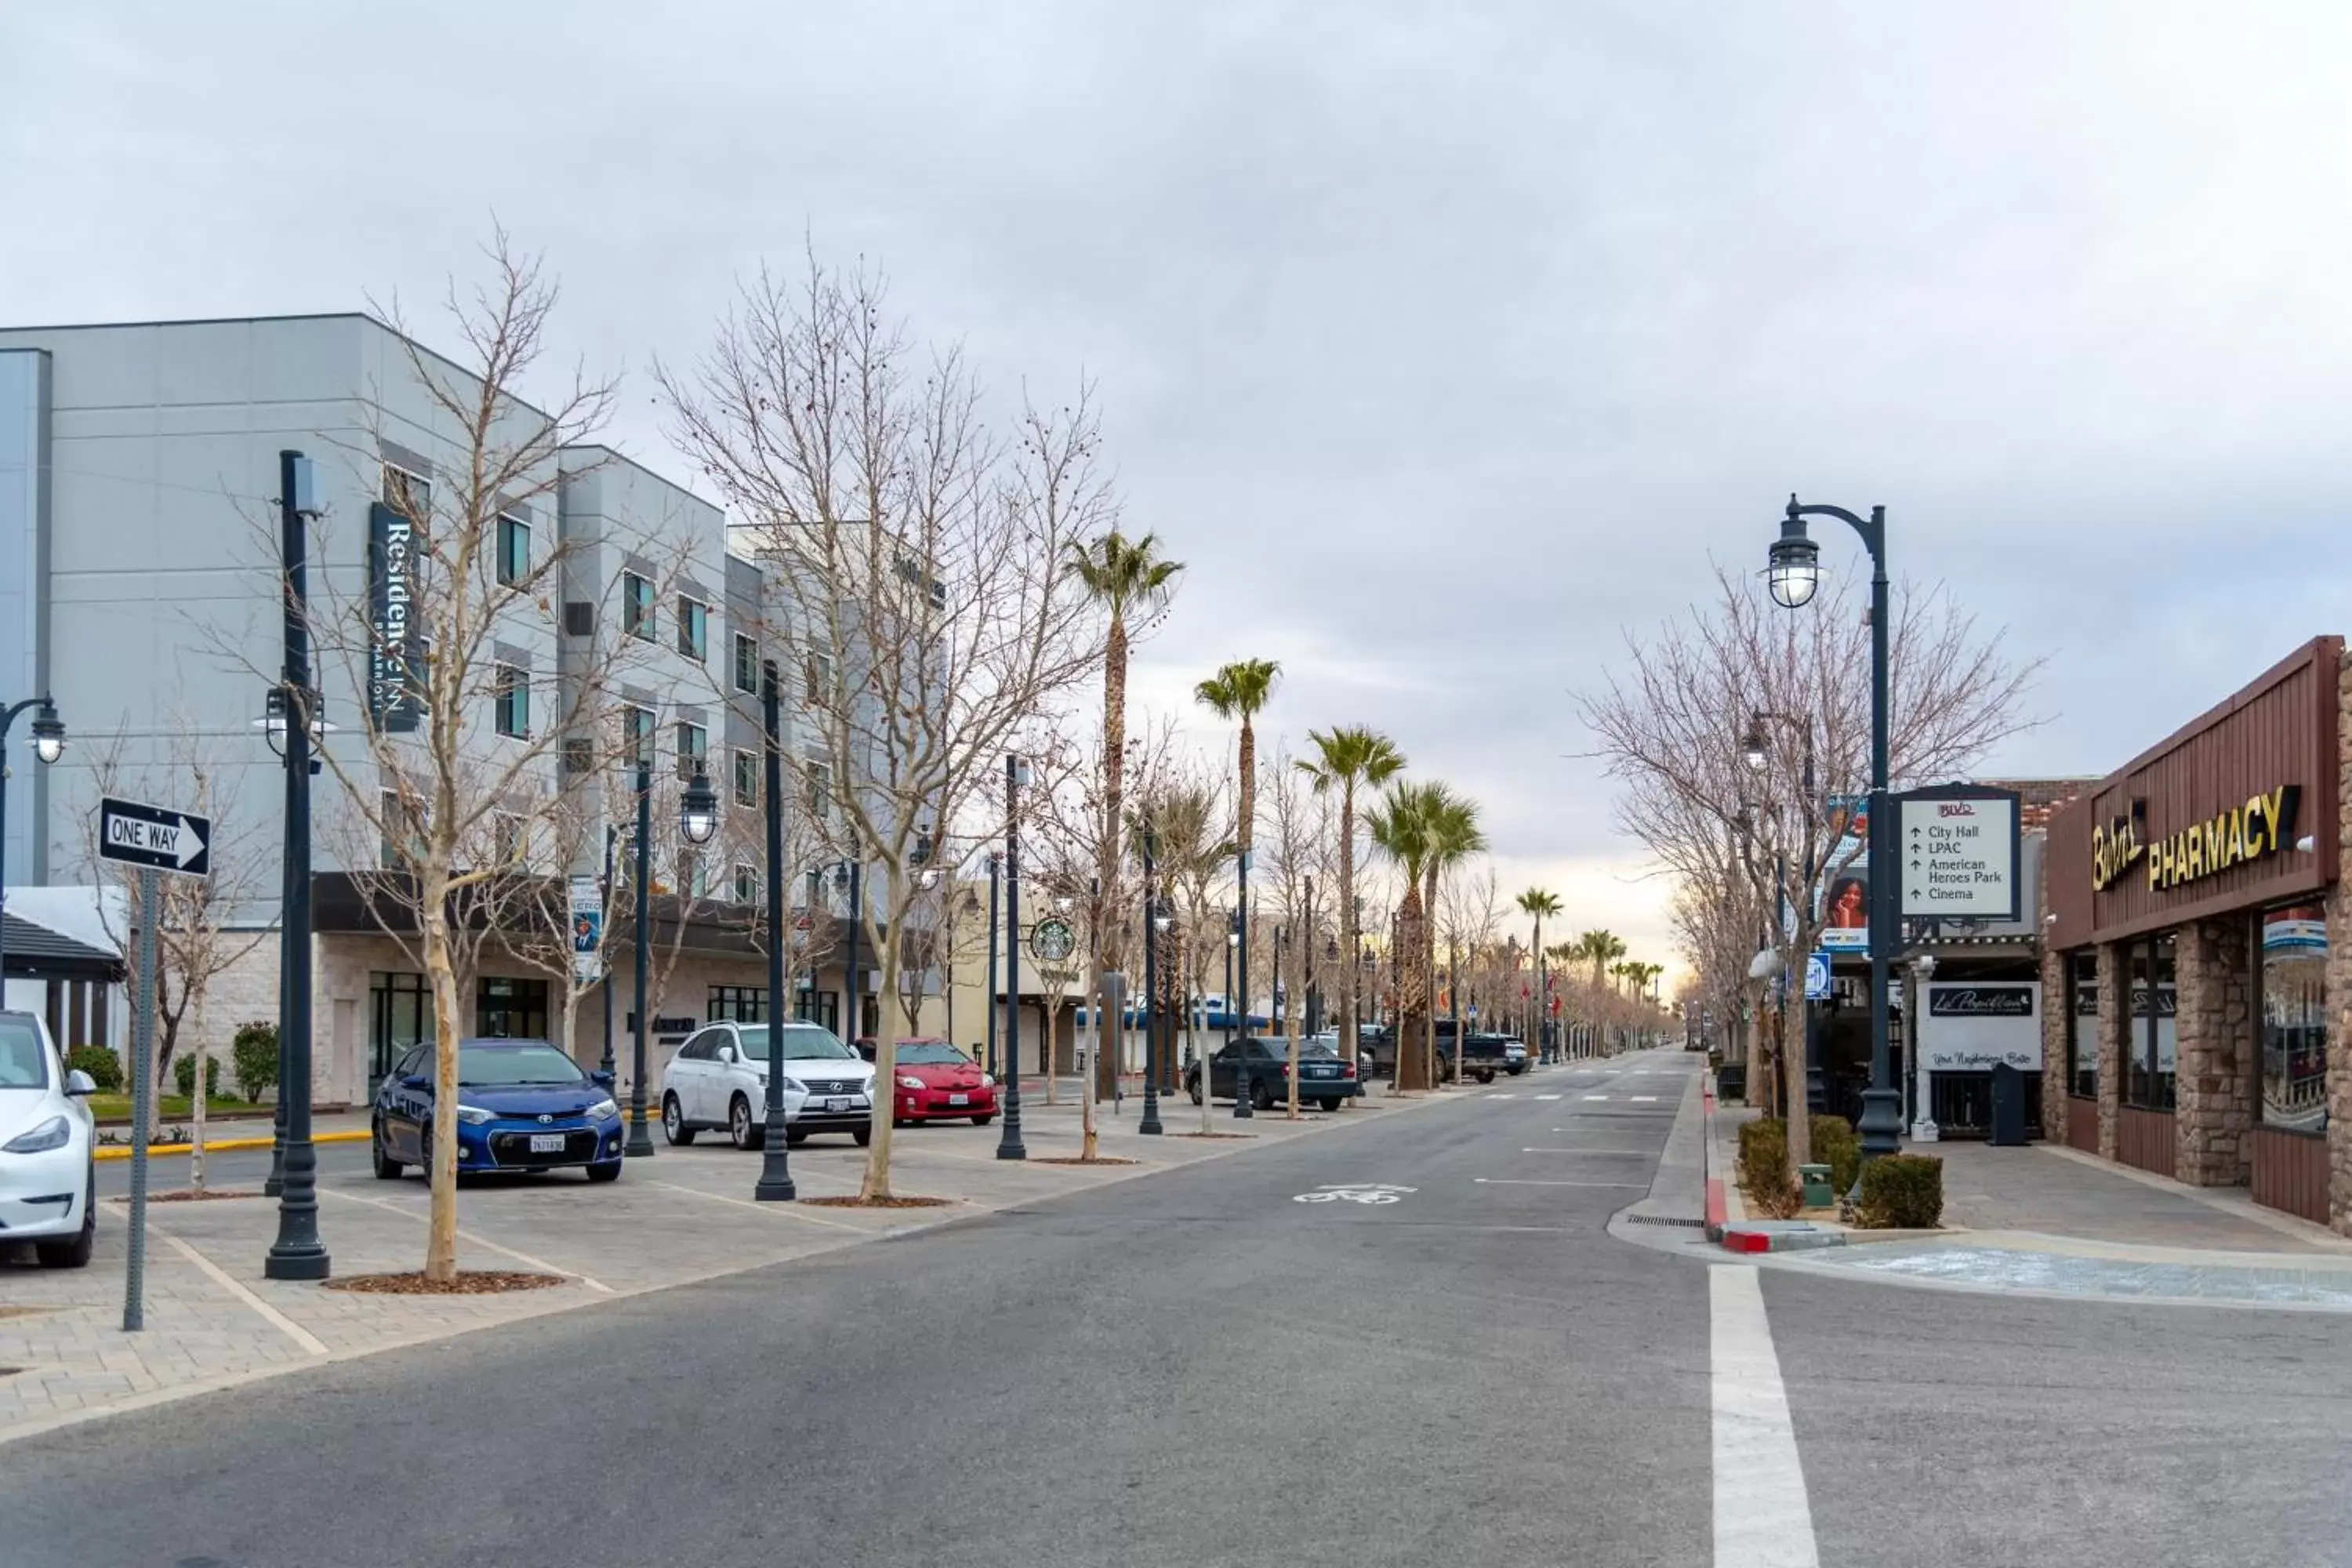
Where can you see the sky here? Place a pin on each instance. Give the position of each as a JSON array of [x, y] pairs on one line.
[[1447, 344]]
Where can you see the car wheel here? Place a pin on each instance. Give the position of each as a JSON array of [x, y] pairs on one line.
[[1487, 1077], [387, 1169], [864, 1135], [1330, 1106], [983, 1121], [674, 1127], [794, 1137], [1193, 1089], [611, 1172], [1261, 1096], [75, 1254], [744, 1133]]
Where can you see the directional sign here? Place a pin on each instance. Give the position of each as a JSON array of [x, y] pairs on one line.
[[1959, 853], [154, 835], [1817, 976]]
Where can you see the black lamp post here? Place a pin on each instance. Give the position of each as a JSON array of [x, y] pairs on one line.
[[48, 746], [1153, 924], [775, 1184], [604, 948], [1237, 946], [994, 945], [1792, 573], [1008, 1144], [848, 874]]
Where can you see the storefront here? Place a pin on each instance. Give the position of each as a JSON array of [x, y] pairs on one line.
[[2195, 924]]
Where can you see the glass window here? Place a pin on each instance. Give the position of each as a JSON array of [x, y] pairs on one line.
[[641, 736], [23, 1063], [803, 1042], [930, 1053], [508, 839], [2294, 1019], [2083, 1024], [820, 790], [513, 701], [746, 883], [507, 1009], [818, 673], [693, 750], [693, 628], [747, 664], [637, 606], [401, 821], [743, 1003], [2149, 1047], [409, 494], [489, 1067], [400, 1016], [819, 1007], [514, 550], [747, 777]]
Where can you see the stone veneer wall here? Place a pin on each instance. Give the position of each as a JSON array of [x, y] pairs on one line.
[[2055, 1086], [2213, 1077], [2339, 980], [2114, 982]]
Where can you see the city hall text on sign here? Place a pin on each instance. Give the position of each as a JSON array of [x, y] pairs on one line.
[[1959, 855]]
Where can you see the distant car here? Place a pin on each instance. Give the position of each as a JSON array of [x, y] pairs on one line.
[[720, 1079], [522, 1105], [937, 1082], [48, 1187], [1261, 1070]]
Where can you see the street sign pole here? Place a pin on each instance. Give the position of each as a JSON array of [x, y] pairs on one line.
[[142, 1104]]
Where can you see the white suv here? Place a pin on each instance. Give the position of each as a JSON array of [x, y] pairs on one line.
[[720, 1079], [48, 1187]]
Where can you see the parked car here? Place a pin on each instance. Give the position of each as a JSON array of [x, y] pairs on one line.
[[48, 1186], [522, 1105], [720, 1079], [1261, 1070], [937, 1082]]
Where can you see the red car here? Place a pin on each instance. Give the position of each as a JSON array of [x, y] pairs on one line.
[[937, 1082]]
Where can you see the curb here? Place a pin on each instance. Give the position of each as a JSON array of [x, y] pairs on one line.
[[215, 1146], [1712, 1178], [1778, 1235]]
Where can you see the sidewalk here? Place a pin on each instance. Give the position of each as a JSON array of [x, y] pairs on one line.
[[2051, 1222], [213, 1321]]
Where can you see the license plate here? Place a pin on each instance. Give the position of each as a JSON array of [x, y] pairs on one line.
[[838, 1102], [958, 1099], [546, 1143]]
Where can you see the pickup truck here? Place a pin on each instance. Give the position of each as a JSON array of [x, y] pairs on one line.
[[1482, 1054]]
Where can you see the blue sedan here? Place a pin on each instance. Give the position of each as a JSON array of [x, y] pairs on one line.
[[522, 1105]]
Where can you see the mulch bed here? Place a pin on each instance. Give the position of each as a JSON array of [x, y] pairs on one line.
[[1216, 1135], [185, 1196], [1081, 1159], [24, 1312], [858, 1203], [468, 1282]]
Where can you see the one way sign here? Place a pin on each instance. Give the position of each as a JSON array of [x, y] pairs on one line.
[[154, 835]]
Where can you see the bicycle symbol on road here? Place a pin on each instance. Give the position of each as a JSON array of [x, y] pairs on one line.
[[1354, 1192]]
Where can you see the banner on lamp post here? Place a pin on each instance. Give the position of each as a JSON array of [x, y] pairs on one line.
[[587, 932]]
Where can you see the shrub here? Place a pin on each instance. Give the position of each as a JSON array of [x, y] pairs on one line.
[[105, 1069], [183, 1073], [1764, 1174], [1835, 1146], [255, 1054], [1902, 1191]]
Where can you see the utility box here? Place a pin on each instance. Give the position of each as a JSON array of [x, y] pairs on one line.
[[2007, 1106], [1819, 1194]]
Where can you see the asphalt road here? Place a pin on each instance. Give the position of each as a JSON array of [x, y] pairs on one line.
[[1198, 1368]]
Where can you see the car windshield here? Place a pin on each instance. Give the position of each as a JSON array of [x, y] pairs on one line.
[[496, 1067], [24, 1064], [803, 1042], [1315, 1048], [931, 1053]]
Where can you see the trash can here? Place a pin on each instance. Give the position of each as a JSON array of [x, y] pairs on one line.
[[2007, 1106], [1819, 1194]]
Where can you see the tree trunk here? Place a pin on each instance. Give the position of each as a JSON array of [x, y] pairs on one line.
[[1793, 1053], [1412, 1003], [1107, 855], [197, 1109], [884, 1097], [1350, 1042], [1427, 958], [441, 973]]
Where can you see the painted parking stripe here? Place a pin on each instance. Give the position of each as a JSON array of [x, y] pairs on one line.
[[1596, 1097], [1502, 1097], [1547, 1097], [1762, 1518], [1645, 1099], [1526, 1182]]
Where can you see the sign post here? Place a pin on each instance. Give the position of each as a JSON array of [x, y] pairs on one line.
[[156, 840]]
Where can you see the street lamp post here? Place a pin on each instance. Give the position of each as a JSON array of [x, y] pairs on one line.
[[48, 746], [1152, 926], [1009, 1145], [995, 947], [1237, 946], [776, 1184], [640, 1145], [1792, 573], [605, 948]]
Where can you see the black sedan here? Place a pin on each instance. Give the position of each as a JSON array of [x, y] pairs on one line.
[[1261, 1070]]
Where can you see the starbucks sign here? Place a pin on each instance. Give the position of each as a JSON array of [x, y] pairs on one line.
[[1052, 940]]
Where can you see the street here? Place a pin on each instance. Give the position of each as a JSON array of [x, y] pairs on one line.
[[1200, 1367]]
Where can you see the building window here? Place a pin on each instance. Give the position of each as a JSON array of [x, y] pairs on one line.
[[747, 882], [400, 1018], [2083, 1024], [742, 1004], [409, 494], [401, 826], [817, 679], [693, 750], [693, 628], [747, 777], [2149, 1050], [693, 874], [641, 736], [820, 790], [511, 1009], [578, 756], [637, 606], [507, 838], [814, 1007], [514, 550], [2294, 1019], [513, 701], [747, 664]]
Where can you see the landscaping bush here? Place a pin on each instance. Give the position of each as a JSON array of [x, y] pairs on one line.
[[1836, 1146], [183, 1073], [105, 1069], [254, 1051], [1764, 1174], [1901, 1191]]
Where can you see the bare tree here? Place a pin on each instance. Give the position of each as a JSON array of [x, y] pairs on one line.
[[1303, 839], [1469, 914], [928, 559]]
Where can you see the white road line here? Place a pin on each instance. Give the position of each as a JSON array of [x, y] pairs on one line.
[[1596, 1097], [1642, 1153], [1547, 1097], [781, 1211], [310, 1342], [1645, 1100], [1497, 1096], [481, 1241], [1524, 1182], [1761, 1517]]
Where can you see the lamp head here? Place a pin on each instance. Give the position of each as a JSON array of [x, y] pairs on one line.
[[697, 809], [1793, 567]]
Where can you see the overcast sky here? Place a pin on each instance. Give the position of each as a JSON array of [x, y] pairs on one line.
[[1445, 343]]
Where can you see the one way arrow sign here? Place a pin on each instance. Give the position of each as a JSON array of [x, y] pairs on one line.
[[154, 835]]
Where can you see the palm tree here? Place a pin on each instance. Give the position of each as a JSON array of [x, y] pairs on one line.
[[1238, 692], [1402, 834], [1126, 576], [1539, 902], [1347, 760], [1453, 837]]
